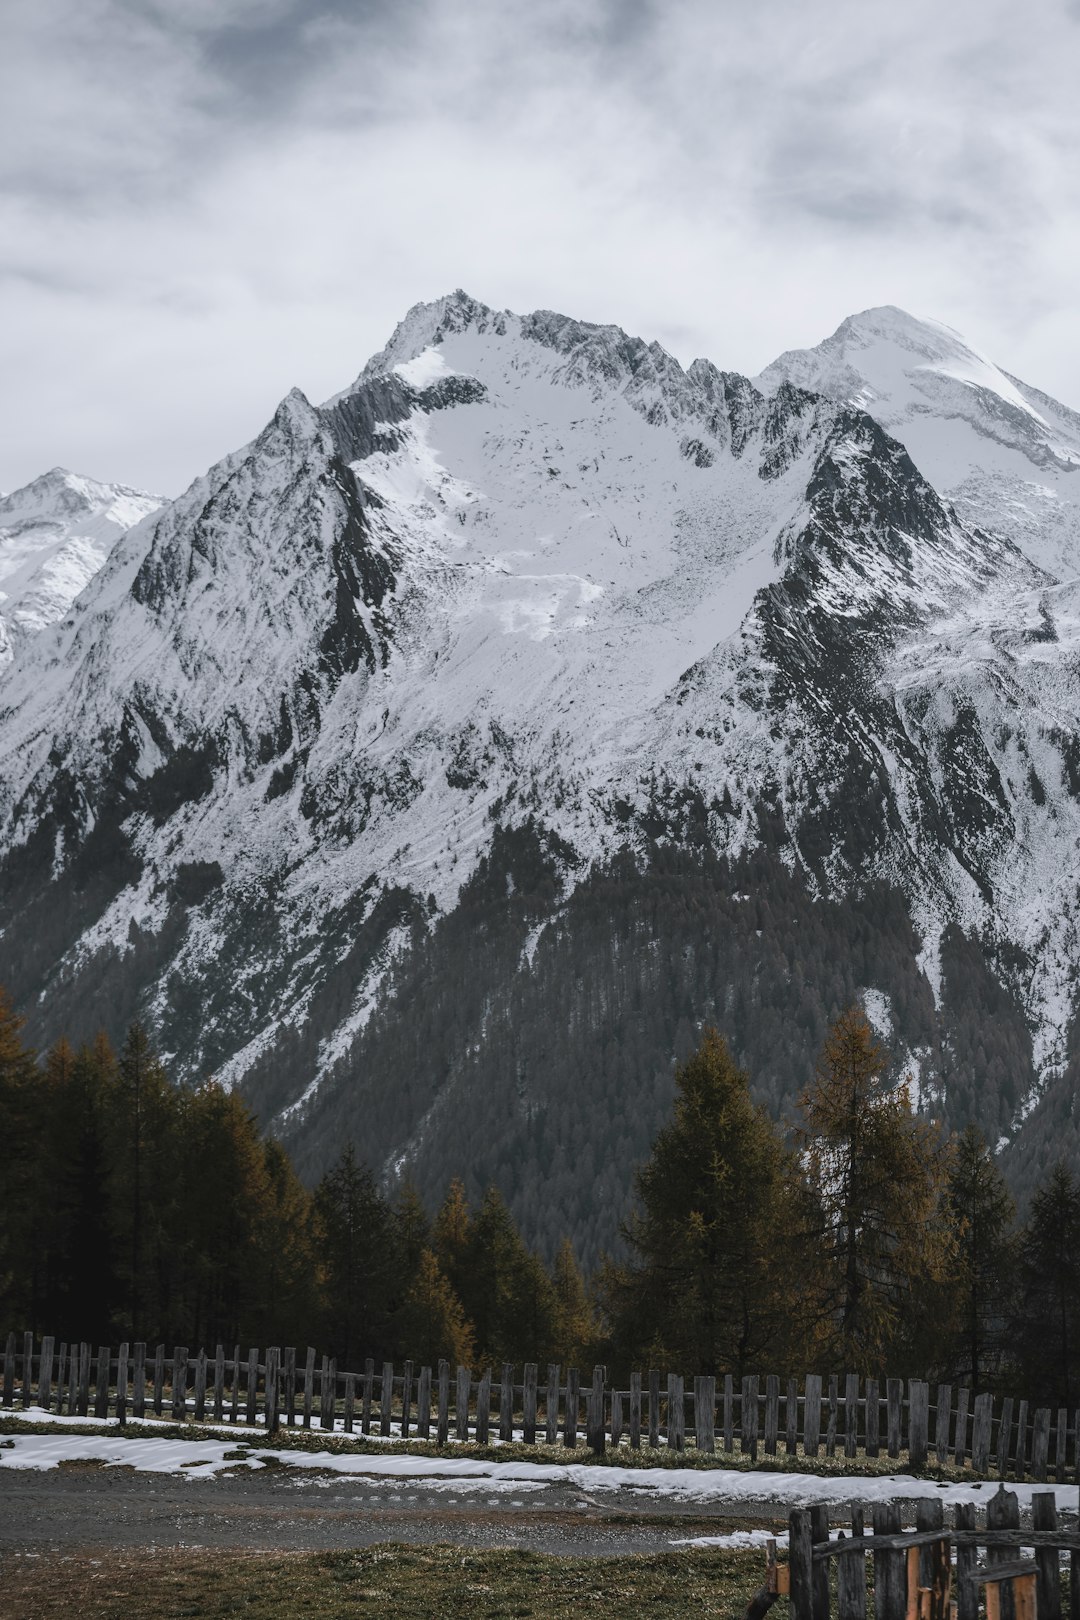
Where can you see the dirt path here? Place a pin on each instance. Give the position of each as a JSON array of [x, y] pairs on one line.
[[90, 1506]]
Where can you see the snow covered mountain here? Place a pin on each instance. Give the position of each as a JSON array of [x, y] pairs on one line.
[[437, 761], [1006, 455], [55, 533]]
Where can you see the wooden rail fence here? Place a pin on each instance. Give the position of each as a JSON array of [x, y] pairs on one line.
[[847, 1416], [934, 1571]]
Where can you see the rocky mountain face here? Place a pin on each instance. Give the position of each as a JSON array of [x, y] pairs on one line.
[[55, 533], [437, 763]]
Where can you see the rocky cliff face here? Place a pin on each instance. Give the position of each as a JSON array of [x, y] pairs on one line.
[[454, 722]]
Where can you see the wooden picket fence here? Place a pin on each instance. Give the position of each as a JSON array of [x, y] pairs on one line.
[[850, 1417], [933, 1572]]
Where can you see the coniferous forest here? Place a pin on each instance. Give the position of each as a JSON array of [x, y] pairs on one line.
[[860, 1235]]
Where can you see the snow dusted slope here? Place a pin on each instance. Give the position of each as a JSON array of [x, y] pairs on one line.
[[528, 585], [1005, 454], [55, 533]]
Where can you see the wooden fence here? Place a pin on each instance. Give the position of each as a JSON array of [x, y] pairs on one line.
[[914, 1572], [850, 1416]]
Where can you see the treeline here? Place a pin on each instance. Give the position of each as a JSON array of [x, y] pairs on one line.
[[861, 1236], [133, 1208], [864, 1237]]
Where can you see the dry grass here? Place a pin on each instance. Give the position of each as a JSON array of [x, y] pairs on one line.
[[401, 1583]]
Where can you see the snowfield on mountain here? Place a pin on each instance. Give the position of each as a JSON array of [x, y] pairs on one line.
[[535, 692]]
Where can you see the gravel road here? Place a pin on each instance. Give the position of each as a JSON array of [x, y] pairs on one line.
[[89, 1506]]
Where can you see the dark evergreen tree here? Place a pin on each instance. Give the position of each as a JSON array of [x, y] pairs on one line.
[[354, 1239], [1047, 1331], [716, 1239], [982, 1215], [877, 1174]]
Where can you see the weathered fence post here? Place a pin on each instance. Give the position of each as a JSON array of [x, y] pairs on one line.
[[369, 1388], [851, 1574], [219, 1383], [830, 1427], [270, 1403], [873, 1418], [573, 1397], [9, 1370], [138, 1381], [918, 1422], [406, 1399], [159, 1380], [635, 1411], [705, 1412], [819, 1533], [423, 1404], [729, 1413], [654, 1406], [851, 1415], [1003, 1513], [200, 1387], [121, 1383], [386, 1397], [252, 1392], [890, 1566], [801, 1560], [596, 1437], [328, 1394], [309, 1387], [28, 1369], [963, 1396], [61, 1376], [101, 1382], [180, 1382], [73, 1379], [551, 1404], [616, 1418], [980, 1433], [791, 1417], [942, 1416], [464, 1385], [894, 1395], [234, 1394], [1048, 1582], [1004, 1437], [1040, 1443], [1061, 1446], [442, 1429], [290, 1385], [811, 1415], [1021, 1440], [967, 1561], [676, 1420], [350, 1402], [506, 1402], [45, 1372], [528, 1403], [483, 1407]]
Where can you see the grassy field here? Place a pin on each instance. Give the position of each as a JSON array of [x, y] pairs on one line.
[[401, 1583]]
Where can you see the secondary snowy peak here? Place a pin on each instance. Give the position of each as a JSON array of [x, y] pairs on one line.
[[55, 534], [1006, 454]]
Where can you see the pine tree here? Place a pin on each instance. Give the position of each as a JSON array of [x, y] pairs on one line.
[[877, 1175], [576, 1327], [507, 1294], [982, 1213], [432, 1323], [708, 1288], [1047, 1333], [354, 1238], [143, 1148], [21, 1181]]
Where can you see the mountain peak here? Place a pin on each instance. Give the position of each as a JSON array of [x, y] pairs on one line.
[[425, 326]]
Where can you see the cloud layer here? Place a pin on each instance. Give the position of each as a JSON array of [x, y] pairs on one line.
[[204, 202]]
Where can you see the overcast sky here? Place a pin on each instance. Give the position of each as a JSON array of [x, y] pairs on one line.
[[205, 202]]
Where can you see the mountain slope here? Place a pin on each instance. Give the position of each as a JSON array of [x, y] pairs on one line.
[[437, 761], [55, 533]]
